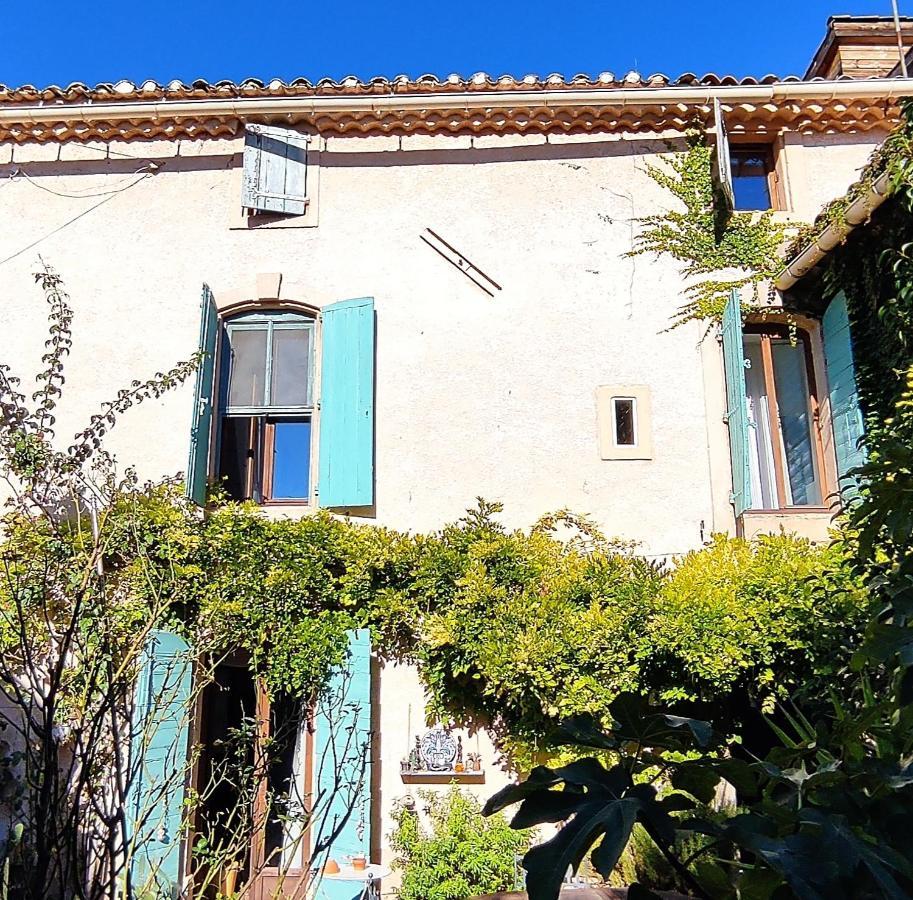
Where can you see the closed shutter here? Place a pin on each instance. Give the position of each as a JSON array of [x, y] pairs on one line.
[[346, 463], [736, 403], [201, 424], [275, 170], [846, 414], [343, 763], [158, 765]]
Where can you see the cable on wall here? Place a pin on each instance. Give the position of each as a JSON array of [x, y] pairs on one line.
[[106, 197]]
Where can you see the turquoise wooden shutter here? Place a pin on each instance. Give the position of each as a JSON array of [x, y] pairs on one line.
[[275, 170], [737, 405], [845, 411], [343, 764], [201, 424], [346, 464], [158, 765]]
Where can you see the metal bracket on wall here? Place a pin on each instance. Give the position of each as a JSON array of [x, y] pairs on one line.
[[455, 258]]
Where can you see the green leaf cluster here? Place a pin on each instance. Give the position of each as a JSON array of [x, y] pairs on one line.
[[460, 855], [529, 629], [510, 630], [741, 247]]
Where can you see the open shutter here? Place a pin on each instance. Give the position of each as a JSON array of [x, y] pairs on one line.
[[346, 464], [736, 403], [158, 765], [275, 170], [201, 424], [841, 377], [723, 169], [343, 764]]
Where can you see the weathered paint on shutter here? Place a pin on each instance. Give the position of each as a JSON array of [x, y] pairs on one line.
[[201, 424], [737, 405], [846, 414], [342, 767], [275, 170], [346, 463], [158, 765], [723, 163]]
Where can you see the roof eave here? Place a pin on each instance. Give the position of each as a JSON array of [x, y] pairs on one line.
[[857, 213]]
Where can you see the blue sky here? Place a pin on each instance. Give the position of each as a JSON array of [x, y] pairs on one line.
[[59, 41]]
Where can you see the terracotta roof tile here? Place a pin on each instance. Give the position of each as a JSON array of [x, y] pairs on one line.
[[350, 84]]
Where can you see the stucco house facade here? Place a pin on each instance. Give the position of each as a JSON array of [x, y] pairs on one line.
[[414, 292]]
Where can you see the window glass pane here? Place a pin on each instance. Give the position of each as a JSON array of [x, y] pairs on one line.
[[791, 379], [236, 457], [624, 422], [291, 367], [248, 367], [749, 179], [286, 786], [291, 460], [760, 442]]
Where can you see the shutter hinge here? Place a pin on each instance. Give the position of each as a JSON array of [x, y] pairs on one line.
[[732, 498]]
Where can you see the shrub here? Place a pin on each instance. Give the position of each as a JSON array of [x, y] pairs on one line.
[[463, 854]]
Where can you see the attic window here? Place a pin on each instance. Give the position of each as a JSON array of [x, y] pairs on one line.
[[275, 170], [752, 172]]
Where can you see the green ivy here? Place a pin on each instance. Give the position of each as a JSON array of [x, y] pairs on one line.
[[746, 245], [513, 630]]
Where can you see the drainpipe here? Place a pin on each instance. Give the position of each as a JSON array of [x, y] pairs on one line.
[[870, 89], [856, 213]]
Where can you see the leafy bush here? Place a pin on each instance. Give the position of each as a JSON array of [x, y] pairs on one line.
[[643, 862], [522, 630], [513, 630], [463, 855]]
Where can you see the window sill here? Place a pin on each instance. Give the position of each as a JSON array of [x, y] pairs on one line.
[[811, 522], [442, 777], [788, 511]]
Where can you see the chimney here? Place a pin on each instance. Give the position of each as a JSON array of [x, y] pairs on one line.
[[861, 47]]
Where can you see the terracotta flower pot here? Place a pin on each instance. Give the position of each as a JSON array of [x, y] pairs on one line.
[[331, 867], [359, 863]]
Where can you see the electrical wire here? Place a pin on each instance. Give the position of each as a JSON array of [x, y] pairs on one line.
[[147, 169], [105, 199]]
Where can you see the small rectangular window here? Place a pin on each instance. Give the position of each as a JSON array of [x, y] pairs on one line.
[[623, 417], [751, 176], [625, 427]]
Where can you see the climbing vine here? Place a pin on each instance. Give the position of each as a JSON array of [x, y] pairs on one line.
[[510, 629], [740, 250], [894, 156]]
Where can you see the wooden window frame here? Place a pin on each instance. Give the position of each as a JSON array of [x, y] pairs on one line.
[[261, 439], [260, 811], [768, 331]]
